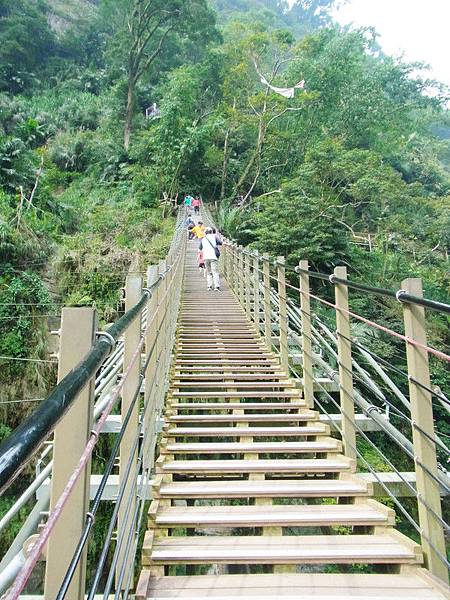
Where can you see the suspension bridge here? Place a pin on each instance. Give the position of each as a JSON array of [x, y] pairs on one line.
[[240, 422]]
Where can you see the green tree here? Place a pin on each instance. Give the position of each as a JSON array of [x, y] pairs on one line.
[[143, 28], [26, 41], [302, 222], [177, 143]]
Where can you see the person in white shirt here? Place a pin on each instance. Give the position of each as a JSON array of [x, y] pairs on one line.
[[209, 246]]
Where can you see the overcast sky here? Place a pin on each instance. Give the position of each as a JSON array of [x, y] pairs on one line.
[[419, 29]]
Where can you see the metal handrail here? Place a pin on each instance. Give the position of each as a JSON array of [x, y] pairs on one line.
[[25, 440], [400, 295]]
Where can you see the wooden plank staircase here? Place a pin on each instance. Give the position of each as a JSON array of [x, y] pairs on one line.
[[252, 496]]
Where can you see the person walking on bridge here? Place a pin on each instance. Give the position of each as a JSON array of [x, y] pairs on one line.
[[196, 205], [199, 230], [190, 224], [209, 246]]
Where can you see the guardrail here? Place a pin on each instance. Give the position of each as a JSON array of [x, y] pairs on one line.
[[128, 364], [282, 313]]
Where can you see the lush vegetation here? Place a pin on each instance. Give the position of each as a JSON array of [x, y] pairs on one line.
[[354, 169]]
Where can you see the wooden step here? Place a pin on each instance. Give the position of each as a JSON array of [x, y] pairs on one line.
[[389, 548], [370, 513], [215, 343], [213, 326], [223, 354], [198, 330], [324, 445], [336, 464], [226, 368], [417, 585], [247, 334], [186, 377], [237, 405], [304, 415], [218, 340], [273, 488], [235, 384], [232, 359], [311, 429], [228, 361], [294, 393]]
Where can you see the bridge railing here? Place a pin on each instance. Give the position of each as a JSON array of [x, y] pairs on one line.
[[317, 340], [120, 375]]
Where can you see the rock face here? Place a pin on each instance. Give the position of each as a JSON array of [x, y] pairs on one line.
[[64, 13]]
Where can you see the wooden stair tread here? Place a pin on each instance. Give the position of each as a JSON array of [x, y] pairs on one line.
[[287, 465], [267, 488], [216, 344], [310, 549], [274, 515], [302, 415], [295, 393], [317, 428], [187, 335], [230, 331], [224, 377], [230, 367], [230, 359], [223, 349], [236, 405], [234, 384], [299, 586], [253, 354], [324, 445]]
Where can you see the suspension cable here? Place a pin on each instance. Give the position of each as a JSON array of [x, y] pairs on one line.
[[38, 546], [400, 295], [373, 445], [391, 332], [391, 495]]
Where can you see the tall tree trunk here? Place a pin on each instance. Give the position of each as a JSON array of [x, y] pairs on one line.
[[129, 113], [224, 166], [243, 177], [225, 158]]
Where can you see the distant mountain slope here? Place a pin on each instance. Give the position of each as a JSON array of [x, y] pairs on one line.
[[300, 17], [63, 13]]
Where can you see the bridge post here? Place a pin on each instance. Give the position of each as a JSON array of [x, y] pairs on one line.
[[248, 285], [230, 267], [233, 269], [236, 270], [232, 280], [241, 276], [256, 315], [305, 313], [150, 346], [162, 335], [344, 347], [225, 257], [133, 293], [78, 326], [267, 304], [429, 503], [282, 314]]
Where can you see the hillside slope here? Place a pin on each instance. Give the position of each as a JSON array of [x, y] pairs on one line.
[[64, 13]]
